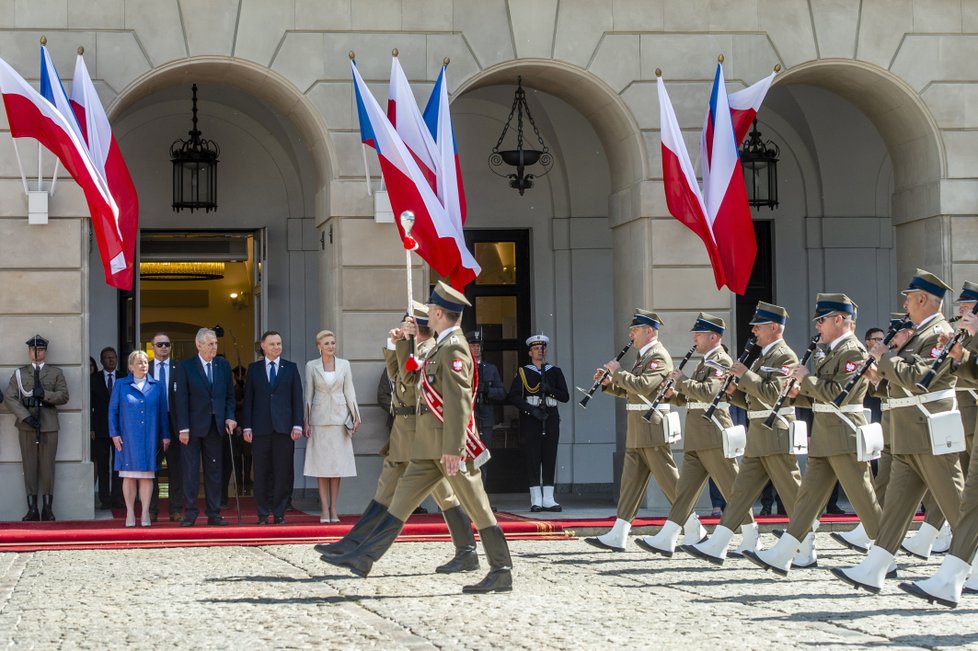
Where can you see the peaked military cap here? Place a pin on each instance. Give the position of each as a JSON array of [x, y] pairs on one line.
[[474, 337], [969, 293], [826, 304], [900, 321], [37, 341], [708, 323], [769, 313], [420, 313], [645, 318], [541, 339], [925, 281], [448, 297]]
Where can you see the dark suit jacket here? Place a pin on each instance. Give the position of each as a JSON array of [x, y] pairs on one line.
[[198, 404], [272, 408], [171, 380], [100, 403]]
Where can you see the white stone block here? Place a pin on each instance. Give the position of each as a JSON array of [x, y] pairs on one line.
[[376, 15], [937, 16], [954, 106], [616, 61], [64, 333], [325, 15], [580, 26], [45, 14], [349, 154], [427, 15], [350, 198], [360, 334], [787, 24], [160, 30], [835, 25], [261, 26], [462, 67], [300, 59], [374, 56], [685, 56], [882, 27], [687, 288], [533, 23], [209, 25], [696, 15], [960, 152], [964, 233], [119, 58], [336, 103], [97, 14], [486, 27]]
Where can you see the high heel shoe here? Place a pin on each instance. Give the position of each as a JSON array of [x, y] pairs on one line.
[[146, 522], [130, 521]]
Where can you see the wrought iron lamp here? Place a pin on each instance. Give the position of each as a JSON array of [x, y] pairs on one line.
[[194, 169], [760, 162], [520, 158]]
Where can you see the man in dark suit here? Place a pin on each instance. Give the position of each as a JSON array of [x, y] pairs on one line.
[[163, 370], [204, 400], [109, 485], [271, 421]]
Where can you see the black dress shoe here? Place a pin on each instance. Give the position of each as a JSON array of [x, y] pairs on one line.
[[536, 508], [175, 516], [834, 509], [187, 522], [104, 506], [217, 521], [419, 511], [262, 519], [279, 519], [765, 510]]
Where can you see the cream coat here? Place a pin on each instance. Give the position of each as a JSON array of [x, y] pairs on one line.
[[324, 407]]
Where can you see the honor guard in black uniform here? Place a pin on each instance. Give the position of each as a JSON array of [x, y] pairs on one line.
[[535, 391], [489, 393]]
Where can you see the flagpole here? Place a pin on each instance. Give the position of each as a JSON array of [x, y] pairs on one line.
[[39, 165], [20, 166], [54, 179], [407, 223], [366, 169]]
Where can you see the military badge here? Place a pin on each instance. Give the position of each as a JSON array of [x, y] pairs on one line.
[[935, 352], [850, 367], [653, 365], [786, 369], [457, 365], [717, 373]]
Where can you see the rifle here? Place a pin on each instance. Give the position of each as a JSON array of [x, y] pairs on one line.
[[890, 334], [597, 383], [665, 386], [790, 384], [718, 398], [944, 352]]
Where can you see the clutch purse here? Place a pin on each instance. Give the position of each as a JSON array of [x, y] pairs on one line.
[[348, 423]]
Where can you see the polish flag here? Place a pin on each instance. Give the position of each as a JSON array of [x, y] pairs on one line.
[[437, 106], [724, 191], [30, 115], [404, 114], [440, 240], [107, 158], [682, 191]]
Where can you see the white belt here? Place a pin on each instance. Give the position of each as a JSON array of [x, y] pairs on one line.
[[640, 407], [884, 404], [706, 405], [533, 401], [822, 408], [764, 413], [923, 399]]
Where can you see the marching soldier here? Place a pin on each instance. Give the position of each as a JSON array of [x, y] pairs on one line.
[[703, 456], [32, 395], [768, 453], [438, 451], [535, 391], [397, 454], [647, 449], [952, 577], [915, 467], [834, 430], [934, 534]]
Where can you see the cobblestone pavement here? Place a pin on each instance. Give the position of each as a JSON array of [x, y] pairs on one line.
[[567, 596]]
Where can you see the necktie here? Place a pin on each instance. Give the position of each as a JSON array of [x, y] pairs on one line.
[[37, 376], [108, 382], [166, 389], [271, 374], [210, 374]]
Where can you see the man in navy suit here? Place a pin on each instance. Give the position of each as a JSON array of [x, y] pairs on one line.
[[271, 421], [100, 385], [204, 397], [163, 369]]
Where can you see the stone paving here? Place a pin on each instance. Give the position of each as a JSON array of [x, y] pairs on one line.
[[567, 596]]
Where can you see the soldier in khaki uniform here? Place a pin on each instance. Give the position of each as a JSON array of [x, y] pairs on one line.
[[32, 395], [832, 453], [703, 441], [915, 466], [768, 453], [934, 534], [397, 453], [959, 570], [647, 452], [438, 451]]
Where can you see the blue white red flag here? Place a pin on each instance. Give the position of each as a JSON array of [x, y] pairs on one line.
[[107, 158], [436, 102], [441, 242]]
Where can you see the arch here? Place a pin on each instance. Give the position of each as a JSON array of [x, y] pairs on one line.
[[909, 131], [280, 94], [607, 112]]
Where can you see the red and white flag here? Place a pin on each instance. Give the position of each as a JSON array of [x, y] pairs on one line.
[[744, 105], [107, 158], [404, 114], [30, 115]]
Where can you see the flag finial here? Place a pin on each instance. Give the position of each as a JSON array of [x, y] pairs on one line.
[[81, 49], [446, 61], [394, 52], [777, 67], [351, 54], [658, 72], [720, 59], [44, 40]]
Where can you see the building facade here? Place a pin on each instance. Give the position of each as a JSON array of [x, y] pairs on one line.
[[874, 114]]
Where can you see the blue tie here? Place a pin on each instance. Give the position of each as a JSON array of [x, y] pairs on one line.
[[210, 374], [166, 390], [271, 375]]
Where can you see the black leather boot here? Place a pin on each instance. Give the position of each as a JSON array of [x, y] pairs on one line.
[[32, 513], [500, 577], [368, 520], [466, 557], [362, 559], [47, 513]]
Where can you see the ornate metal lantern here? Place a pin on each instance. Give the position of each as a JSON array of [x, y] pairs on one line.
[[520, 158], [760, 162], [194, 169]]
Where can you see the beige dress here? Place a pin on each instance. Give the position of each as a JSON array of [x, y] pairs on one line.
[[329, 398]]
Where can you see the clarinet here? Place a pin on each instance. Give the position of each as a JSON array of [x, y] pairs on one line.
[[665, 386], [769, 422], [597, 383], [890, 334], [944, 352], [718, 398]]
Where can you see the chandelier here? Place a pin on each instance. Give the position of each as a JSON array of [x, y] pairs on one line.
[[760, 162], [520, 158], [181, 271], [194, 169]]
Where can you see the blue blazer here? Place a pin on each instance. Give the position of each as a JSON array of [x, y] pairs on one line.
[[198, 404], [140, 418], [272, 408]]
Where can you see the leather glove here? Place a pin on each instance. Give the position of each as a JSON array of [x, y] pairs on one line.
[[540, 414], [32, 422], [39, 392]]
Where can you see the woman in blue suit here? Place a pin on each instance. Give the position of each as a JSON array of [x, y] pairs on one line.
[[138, 423]]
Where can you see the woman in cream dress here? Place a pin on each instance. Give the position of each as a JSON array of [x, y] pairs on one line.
[[330, 405]]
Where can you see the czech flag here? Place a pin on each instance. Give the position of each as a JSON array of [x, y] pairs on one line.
[[107, 158], [438, 105], [404, 114], [441, 242]]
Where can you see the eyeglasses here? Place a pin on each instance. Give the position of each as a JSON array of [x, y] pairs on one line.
[[162, 344]]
